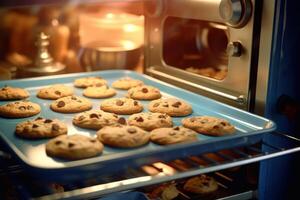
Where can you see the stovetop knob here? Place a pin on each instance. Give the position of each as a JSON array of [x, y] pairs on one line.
[[235, 13]]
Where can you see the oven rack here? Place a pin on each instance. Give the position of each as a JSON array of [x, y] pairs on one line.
[[177, 169]]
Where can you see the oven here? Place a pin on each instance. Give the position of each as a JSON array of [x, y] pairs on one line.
[[237, 52]]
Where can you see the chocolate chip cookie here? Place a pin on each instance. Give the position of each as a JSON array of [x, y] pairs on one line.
[[13, 93], [55, 92], [19, 109], [150, 121], [89, 81], [144, 92], [171, 106], [209, 125], [96, 119], [74, 147], [177, 134], [123, 106], [71, 104], [41, 128], [202, 184], [99, 92], [126, 83], [123, 136]]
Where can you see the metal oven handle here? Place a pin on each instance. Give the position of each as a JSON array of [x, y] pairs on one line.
[[240, 99]]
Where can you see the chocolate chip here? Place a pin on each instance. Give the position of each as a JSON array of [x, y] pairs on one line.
[[176, 104], [106, 121], [156, 105], [165, 105], [17, 102], [29, 107], [93, 115], [39, 118], [215, 127], [115, 116], [172, 133], [145, 90], [131, 130], [223, 123], [73, 98], [119, 103], [122, 120], [81, 117], [57, 92], [22, 108], [139, 119], [48, 121], [55, 127], [34, 126], [162, 116], [93, 140], [176, 128], [135, 103], [193, 119], [71, 144], [58, 142], [61, 104]]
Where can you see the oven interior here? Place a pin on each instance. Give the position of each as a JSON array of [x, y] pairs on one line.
[[186, 43]]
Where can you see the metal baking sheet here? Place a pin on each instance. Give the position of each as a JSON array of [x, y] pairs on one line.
[[31, 153]]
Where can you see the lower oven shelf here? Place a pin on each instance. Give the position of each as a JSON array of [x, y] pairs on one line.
[[177, 169]]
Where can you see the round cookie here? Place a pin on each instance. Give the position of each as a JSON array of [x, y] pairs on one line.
[[150, 121], [126, 83], [201, 185], [123, 106], [123, 136], [177, 134], [209, 125], [171, 106], [12, 93], [96, 119], [55, 92], [144, 92], [71, 104], [74, 147], [99, 92], [41, 128], [19, 109], [89, 81]]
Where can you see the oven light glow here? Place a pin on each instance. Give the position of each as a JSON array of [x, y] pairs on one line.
[[110, 16], [130, 28]]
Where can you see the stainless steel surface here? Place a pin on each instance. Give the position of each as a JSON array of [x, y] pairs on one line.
[[250, 155], [242, 196], [234, 49], [235, 12], [237, 81]]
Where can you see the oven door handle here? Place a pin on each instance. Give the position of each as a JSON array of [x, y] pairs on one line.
[[240, 99]]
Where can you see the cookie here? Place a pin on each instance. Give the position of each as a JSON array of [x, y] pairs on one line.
[[89, 81], [41, 128], [55, 92], [123, 136], [171, 106], [74, 147], [177, 134], [150, 121], [71, 104], [123, 106], [144, 92], [202, 184], [19, 109], [126, 83], [99, 92], [96, 119], [12, 93], [209, 125]]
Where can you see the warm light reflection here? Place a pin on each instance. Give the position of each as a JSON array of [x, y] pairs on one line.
[[109, 15], [130, 28]]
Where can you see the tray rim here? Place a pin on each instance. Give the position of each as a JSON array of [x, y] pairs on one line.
[[113, 157]]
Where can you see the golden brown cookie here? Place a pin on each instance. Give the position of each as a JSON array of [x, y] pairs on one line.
[[123, 136], [13, 93], [123, 106], [74, 147], [144, 92], [99, 92], [177, 134], [89, 82], [55, 92], [126, 83], [202, 184], [209, 125], [171, 106], [19, 109], [41, 128], [71, 104]]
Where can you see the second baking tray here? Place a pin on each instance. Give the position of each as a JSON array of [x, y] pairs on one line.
[[31, 153]]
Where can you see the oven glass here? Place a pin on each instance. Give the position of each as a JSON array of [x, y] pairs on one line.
[[196, 46]]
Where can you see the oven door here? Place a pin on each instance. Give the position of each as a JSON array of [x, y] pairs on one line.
[[203, 46]]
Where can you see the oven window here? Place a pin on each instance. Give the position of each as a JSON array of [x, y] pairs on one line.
[[196, 46]]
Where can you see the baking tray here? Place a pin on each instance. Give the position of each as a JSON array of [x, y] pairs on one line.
[[31, 153]]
